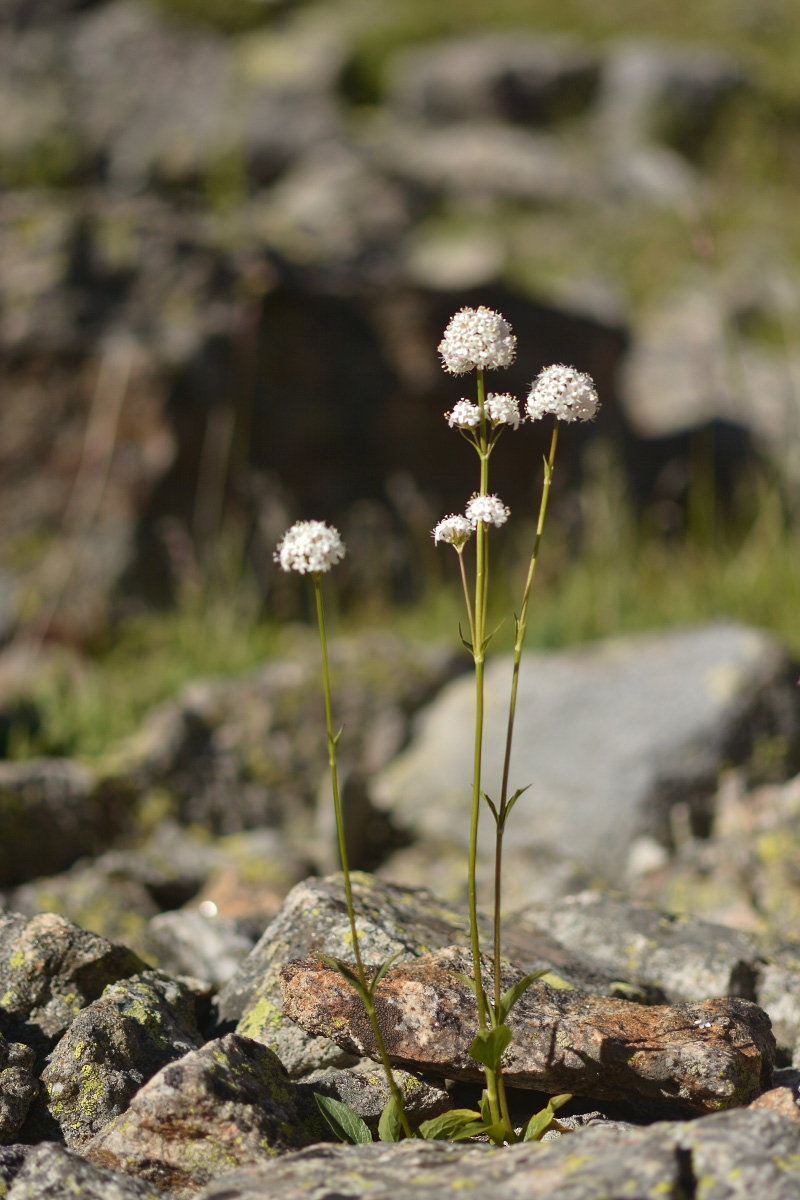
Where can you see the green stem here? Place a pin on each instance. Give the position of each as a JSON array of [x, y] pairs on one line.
[[337, 805], [512, 708]]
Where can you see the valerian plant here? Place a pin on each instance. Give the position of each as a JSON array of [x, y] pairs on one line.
[[476, 340]]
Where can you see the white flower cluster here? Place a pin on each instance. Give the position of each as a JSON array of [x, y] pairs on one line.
[[309, 547], [489, 509], [465, 415], [564, 392], [477, 337], [502, 409], [455, 530]]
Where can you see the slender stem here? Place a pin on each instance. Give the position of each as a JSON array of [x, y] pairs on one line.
[[337, 805], [465, 585], [522, 622]]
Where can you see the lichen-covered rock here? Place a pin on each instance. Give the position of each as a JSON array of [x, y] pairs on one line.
[[112, 1048], [186, 942], [217, 1108], [18, 1087], [11, 1160], [49, 970], [726, 1156], [364, 1090], [390, 920], [715, 1055], [51, 1172]]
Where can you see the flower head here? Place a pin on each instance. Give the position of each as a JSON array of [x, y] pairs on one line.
[[566, 393], [309, 547], [477, 337], [465, 415], [453, 529], [502, 409], [489, 509]]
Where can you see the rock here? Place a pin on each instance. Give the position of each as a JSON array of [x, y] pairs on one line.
[[51, 1172], [219, 1107], [110, 1050], [190, 943], [708, 1056], [51, 812], [50, 970], [390, 920], [90, 896], [364, 1090], [612, 737], [11, 1159], [18, 1087], [726, 1156], [516, 76]]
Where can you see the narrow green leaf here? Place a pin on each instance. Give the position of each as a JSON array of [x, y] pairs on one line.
[[336, 736], [448, 1127], [486, 1112], [556, 981], [379, 974], [347, 974], [390, 1127], [556, 1102], [488, 1046], [493, 808], [519, 792], [347, 1126], [464, 641], [542, 1121], [510, 997], [466, 979]]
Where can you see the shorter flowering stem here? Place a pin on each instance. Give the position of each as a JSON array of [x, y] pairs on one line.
[[337, 805]]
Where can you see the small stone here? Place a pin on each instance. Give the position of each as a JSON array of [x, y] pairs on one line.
[[705, 1057], [18, 1087], [51, 1172], [214, 1110]]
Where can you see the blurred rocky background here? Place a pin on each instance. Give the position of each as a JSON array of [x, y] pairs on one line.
[[231, 235]]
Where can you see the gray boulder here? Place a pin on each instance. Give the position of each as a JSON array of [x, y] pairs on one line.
[[217, 1108], [49, 970], [727, 1156], [187, 942], [611, 737], [51, 1172], [111, 1049]]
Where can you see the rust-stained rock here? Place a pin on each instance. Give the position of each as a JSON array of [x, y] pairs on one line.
[[780, 1100], [709, 1056]]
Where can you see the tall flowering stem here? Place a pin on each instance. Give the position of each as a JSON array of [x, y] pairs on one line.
[[521, 629]]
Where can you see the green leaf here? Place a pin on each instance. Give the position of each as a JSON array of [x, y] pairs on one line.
[[542, 1121], [556, 981], [486, 1112], [464, 641], [347, 1126], [510, 997], [519, 792], [466, 979], [450, 1125], [379, 974], [336, 736], [390, 1126], [492, 807], [488, 1046]]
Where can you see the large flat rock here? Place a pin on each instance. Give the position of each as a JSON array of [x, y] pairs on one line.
[[610, 736]]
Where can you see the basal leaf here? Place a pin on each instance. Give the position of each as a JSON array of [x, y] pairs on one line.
[[346, 1124], [390, 1127], [379, 974], [542, 1121], [451, 1125]]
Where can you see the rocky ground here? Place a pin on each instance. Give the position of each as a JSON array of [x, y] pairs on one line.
[[164, 1022]]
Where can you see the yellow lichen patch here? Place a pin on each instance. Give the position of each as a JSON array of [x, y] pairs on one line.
[[264, 1015]]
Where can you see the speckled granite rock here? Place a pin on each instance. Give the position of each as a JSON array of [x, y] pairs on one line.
[[110, 1050], [217, 1108], [390, 920], [49, 970], [52, 1173], [715, 1055], [17, 1087], [726, 1156]]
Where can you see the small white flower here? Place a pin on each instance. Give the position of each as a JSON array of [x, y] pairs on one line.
[[477, 337], [464, 415], [489, 509], [453, 529], [566, 393], [502, 409], [309, 547]]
